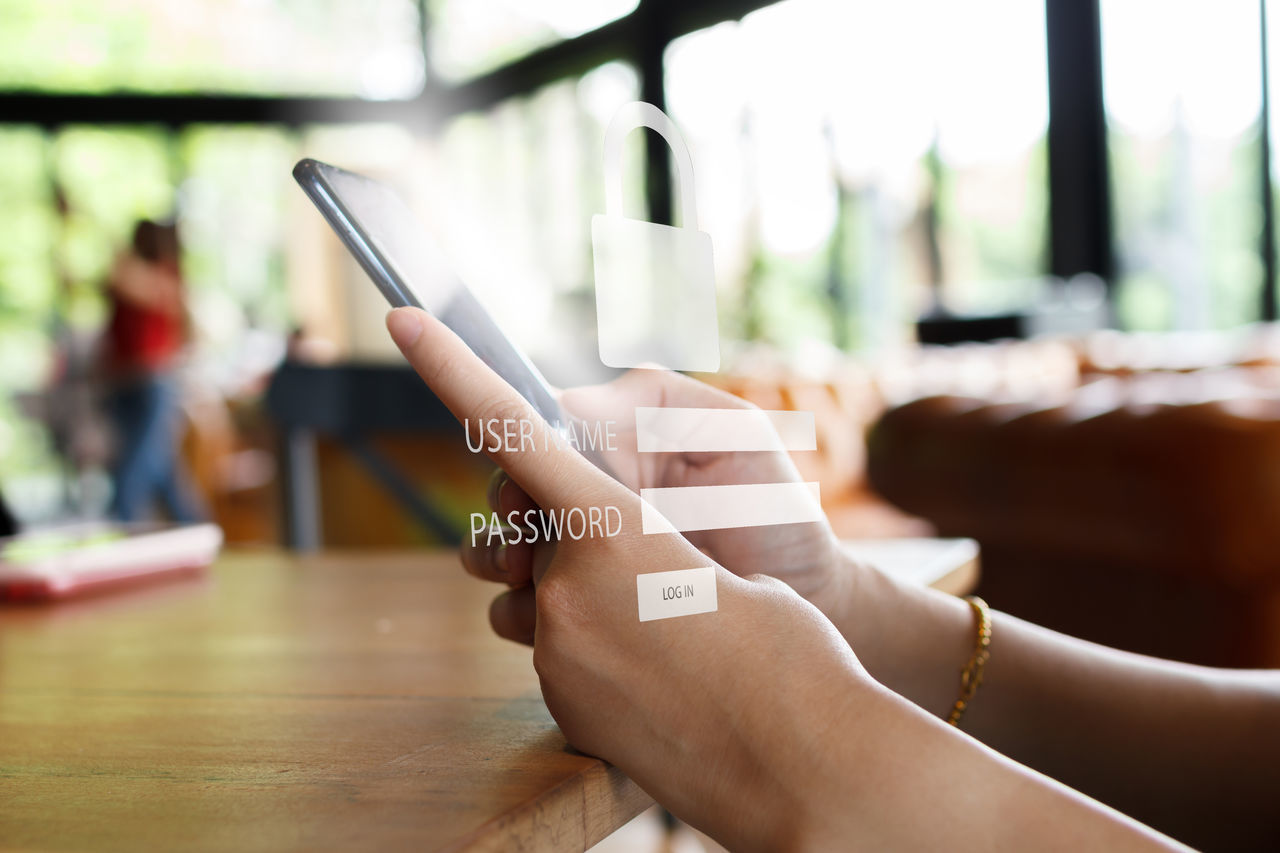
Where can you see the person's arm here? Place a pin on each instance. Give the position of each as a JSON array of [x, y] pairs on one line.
[[906, 780], [1192, 751], [755, 721]]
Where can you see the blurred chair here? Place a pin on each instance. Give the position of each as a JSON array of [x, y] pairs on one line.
[[352, 405], [1140, 510], [226, 451]]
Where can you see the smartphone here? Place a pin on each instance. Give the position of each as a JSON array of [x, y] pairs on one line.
[[398, 254]]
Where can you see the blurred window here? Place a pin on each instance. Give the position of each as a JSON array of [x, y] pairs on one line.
[[855, 160], [519, 185], [233, 194], [469, 37], [369, 48], [28, 288], [1182, 83], [110, 178]]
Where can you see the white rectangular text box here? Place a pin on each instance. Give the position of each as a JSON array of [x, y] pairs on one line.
[[662, 595], [722, 430], [714, 507]]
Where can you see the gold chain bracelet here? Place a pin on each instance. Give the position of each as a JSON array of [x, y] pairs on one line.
[[971, 675]]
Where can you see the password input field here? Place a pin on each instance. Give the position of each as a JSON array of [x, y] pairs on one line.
[[684, 508]]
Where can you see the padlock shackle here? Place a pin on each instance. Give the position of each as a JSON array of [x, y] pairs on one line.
[[626, 119]]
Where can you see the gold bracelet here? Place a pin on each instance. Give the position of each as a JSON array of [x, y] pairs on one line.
[[971, 675]]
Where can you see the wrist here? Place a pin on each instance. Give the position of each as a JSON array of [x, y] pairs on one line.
[[840, 766], [912, 639], [848, 598], [832, 593], [801, 744]]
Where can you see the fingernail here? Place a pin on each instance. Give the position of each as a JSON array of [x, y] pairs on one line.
[[404, 326], [500, 559]]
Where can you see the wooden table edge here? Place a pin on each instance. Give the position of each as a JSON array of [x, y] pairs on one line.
[[961, 580], [605, 797]]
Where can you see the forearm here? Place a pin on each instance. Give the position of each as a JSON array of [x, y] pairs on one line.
[[1192, 751], [912, 640], [894, 778]]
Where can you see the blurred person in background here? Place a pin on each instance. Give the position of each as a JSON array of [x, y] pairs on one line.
[[144, 337]]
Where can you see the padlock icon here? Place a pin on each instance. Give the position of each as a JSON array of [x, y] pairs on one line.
[[655, 284]]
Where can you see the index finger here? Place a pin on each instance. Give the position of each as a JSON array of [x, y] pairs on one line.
[[551, 472]]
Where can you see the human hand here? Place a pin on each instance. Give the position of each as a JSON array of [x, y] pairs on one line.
[[806, 555], [665, 700]]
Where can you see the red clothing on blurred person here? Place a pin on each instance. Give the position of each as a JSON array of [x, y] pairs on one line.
[[148, 322], [141, 338]]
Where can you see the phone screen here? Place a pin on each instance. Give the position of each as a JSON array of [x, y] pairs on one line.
[[397, 252]]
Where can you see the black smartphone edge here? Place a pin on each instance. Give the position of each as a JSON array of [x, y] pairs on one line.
[[380, 271]]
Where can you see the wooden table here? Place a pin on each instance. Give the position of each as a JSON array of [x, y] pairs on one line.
[[321, 702]]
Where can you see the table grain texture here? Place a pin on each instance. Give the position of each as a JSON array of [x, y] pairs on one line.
[[337, 701]]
